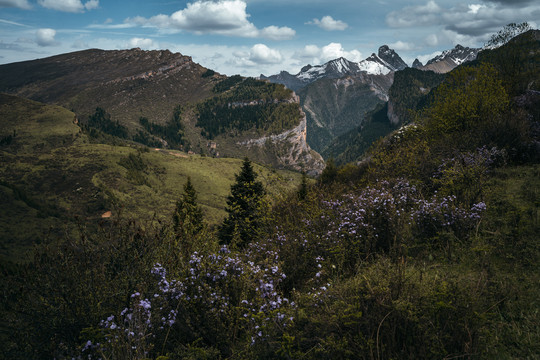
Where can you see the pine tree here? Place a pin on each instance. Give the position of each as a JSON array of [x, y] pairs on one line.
[[188, 217], [329, 173], [303, 190], [246, 209]]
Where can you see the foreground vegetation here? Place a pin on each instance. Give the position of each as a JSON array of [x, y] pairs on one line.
[[427, 249]]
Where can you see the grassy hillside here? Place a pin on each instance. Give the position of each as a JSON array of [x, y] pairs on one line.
[[126, 83], [52, 172]]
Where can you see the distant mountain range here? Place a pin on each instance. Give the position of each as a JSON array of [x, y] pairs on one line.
[[338, 95], [385, 61], [448, 60]]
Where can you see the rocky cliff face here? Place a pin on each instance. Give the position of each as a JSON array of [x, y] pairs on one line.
[[290, 149]]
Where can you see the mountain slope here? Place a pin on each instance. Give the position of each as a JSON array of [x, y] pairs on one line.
[[52, 173], [151, 93], [127, 83], [335, 106]]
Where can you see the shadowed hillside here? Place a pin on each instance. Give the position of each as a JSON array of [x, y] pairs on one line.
[[53, 173]]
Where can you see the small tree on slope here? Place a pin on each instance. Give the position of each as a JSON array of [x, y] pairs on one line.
[[246, 208]]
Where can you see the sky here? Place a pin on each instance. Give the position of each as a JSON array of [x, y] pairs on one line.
[[253, 37]]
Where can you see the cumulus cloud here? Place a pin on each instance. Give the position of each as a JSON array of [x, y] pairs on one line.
[[262, 54], [335, 50], [74, 6], [402, 46], [224, 17], [425, 58], [329, 24], [415, 15], [277, 33], [142, 43], [45, 37], [465, 23], [258, 55], [21, 4], [315, 55]]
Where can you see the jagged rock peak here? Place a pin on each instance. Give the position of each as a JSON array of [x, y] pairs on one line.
[[458, 55], [392, 58], [417, 64]]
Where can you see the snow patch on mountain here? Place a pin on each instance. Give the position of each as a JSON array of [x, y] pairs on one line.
[[373, 67]]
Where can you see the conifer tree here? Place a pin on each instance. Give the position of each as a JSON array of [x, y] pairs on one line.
[[188, 217], [246, 209], [303, 190], [330, 172]]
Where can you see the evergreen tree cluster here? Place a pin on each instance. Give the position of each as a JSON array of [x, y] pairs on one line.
[[172, 132], [101, 120], [245, 104]]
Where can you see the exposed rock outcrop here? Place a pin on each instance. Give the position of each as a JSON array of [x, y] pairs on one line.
[[290, 149]]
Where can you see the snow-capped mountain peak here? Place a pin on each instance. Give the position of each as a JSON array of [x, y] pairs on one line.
[[333, 69], [391, 58], [386, 61], [458, 55]]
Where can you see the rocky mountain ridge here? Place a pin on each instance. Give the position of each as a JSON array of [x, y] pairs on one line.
[[338, 95], [382, 63], [449, 59], [131, 85]]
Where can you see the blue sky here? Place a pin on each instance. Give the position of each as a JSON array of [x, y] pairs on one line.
[[251, 37]]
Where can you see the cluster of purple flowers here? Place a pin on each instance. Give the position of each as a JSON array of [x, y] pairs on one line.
[[372, 217], [218, 285], [444, 213], [482, 159]]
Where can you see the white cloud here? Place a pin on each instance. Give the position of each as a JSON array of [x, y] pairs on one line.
[[108, 25], [315, 55], [74, 6], [12, 23], [432, 40], [143, 43], [457, 38], [415, 15], [21, 4], [329, 24], [425, 58], [277, 33], [335, 50], [45, 37], [91, 5], [463, 22], [402, 46], [262, 54], [474, 8], [224, 17]]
